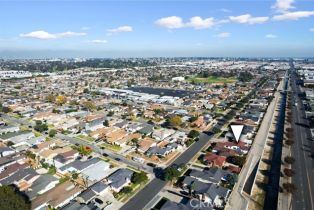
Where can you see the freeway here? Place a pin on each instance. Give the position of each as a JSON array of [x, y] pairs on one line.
[[302, 151], [140, 200], [108, 152]]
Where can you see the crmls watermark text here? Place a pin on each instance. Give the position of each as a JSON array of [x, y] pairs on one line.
[[196, 204]]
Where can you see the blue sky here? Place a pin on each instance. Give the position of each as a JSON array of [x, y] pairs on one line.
[[156, 28]]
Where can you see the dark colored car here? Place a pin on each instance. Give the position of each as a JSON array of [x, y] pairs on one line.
[[151, 165]]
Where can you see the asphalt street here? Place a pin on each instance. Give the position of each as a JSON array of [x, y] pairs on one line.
[[302, 150], [108, 152], [140, 200]]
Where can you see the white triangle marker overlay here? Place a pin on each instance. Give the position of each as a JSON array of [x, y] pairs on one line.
[[237, 130]]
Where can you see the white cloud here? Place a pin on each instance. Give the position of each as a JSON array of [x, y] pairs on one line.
[[199, 23], [223, 35], [196, 22], [271, 36], [248, 19], [69, 34], [293, 15], [283, 5], [45, 35], [39, 35], [171, 22], [225, 10], [311, 29], [98, 41], [85, 28], [121, 29]]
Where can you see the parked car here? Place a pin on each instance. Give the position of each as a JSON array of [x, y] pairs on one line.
[[151, 165]]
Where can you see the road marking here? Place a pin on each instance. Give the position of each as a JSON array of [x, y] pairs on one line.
[[307, 174], [299, 118]]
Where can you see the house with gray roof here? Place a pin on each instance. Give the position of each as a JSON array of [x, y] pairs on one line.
[[10, 159], [158, 151], [147, 129], [211, 175], [28, 112], [86, 196], [73, 205], [78, 165], [36, 140], [171, 205], [133, 127], [8, 129], [100, 188], [17, 137], [41, 185], [155, 150], [5, 151], [119, 179], [121, 124], [207, 192], [26, 174]]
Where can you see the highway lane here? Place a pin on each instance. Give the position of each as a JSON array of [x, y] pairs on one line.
[[140, 200], [301, 151]]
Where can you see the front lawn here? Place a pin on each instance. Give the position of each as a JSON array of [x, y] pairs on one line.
[[113, 147], [86, 138]]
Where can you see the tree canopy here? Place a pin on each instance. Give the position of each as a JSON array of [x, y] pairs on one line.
[[50, 98], [60, 100], [175, 121], [89, 105], [40, 127], [245, 76], [138, 178], [84, 150], [52, 133], [193, 134], [106, 123], [10, 199], [171, 173]]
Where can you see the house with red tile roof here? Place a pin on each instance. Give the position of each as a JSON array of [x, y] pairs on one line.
[[214, 160]]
